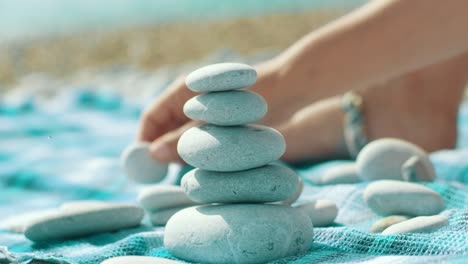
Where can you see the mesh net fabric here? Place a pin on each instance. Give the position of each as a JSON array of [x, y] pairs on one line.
[[43, 163]]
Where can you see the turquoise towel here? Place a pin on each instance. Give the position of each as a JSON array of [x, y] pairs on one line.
[[68, 149]]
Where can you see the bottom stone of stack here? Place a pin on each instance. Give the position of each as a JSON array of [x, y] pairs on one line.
[[238, 233]]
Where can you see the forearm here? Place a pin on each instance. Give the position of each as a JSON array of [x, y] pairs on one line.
[[377, 42]]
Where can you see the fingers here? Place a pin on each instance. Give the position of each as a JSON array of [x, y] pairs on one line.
[[166, 113], [165, 147]]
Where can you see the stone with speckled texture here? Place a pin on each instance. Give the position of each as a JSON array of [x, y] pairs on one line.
[[226, 108], [387, 197], [234, 148], [221, 77], [296, 196], [265, 184], [238, 233], [83, 220]]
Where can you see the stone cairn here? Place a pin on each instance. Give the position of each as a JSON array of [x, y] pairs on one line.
[[244, 221]]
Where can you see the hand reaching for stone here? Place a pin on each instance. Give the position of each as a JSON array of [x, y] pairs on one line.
[[164, 121]]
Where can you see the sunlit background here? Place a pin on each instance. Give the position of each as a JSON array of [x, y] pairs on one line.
[[52, 42]]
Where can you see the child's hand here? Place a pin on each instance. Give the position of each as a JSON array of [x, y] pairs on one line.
[[164, 121]]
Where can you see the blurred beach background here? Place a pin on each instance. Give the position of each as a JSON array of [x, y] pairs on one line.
[[46, 45]]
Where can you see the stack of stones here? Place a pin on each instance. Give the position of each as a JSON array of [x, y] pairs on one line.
[[235, 176]]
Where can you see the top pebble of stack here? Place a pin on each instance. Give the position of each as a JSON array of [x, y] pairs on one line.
[[221, 77]]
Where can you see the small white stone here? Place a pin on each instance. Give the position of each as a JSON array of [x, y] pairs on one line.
[[160, 197], [140, 166], [139, 260], [385, 222], [421, 224], [160, 218], [321, 212]]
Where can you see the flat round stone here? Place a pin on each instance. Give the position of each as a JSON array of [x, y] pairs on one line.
[[235, 148], [385, 222], [160, 197], [387, 197], [229, 108], [221, 77], [77, 222], [238, 233], [340, 174], [321, 212], [270, 183], [139, 260], [421, 224], [394, 159], [160, 218], [140, 166]]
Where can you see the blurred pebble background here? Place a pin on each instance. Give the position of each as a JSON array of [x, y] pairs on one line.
[[45, 44]]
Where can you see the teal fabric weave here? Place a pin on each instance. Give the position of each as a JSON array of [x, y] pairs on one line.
[[49, 156]]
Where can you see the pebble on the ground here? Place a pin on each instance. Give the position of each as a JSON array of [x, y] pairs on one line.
[[388, 197], [82, 220], [238, 233], [394, 159], [421, 224], [381, 224]]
